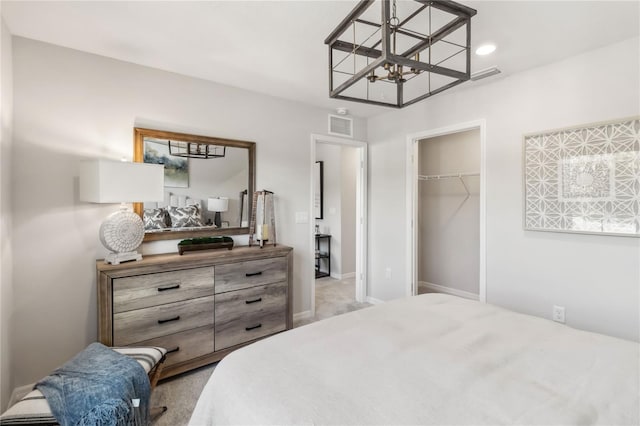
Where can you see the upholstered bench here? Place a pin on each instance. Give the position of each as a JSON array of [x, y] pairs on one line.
[[33, 409]]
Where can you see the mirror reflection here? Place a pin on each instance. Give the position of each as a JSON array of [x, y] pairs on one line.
[[207, 182]]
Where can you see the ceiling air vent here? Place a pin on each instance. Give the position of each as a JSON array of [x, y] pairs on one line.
[[340, 126], [488, 72]]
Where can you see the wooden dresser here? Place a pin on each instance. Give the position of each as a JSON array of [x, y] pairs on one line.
[[200, 306]]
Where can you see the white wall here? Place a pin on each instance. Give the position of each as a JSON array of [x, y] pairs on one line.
[[6, 282], [449, 217], [71, 105], [595, 277]]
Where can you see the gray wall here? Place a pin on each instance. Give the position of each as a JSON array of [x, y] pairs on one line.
[[595, 277], [449, 222], [6, 267], [71, 105]]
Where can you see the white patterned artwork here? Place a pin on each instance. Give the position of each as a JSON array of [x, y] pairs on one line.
[[584, 179]]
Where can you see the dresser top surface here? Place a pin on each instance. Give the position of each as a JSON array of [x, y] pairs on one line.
[[196, 258]]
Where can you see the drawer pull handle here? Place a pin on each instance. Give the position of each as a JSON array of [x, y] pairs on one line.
[[172, 287], [253, 274], [253, 328], [169, 320], [176, 349], [248, 302]]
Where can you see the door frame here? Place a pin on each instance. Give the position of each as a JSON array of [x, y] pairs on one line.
[[412, 205], [361, 213]]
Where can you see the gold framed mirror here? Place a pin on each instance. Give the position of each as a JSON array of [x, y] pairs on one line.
[[209, 184]]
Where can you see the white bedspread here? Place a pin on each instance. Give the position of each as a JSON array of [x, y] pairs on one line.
[[430, 359]]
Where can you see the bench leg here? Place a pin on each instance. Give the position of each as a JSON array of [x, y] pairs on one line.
[[154, 376], [156, 412]]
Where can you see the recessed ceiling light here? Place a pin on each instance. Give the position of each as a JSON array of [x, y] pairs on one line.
[[485, 49]]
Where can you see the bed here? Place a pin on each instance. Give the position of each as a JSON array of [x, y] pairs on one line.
[[429, 359]]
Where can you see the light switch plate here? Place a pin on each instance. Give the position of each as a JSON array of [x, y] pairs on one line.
[[302, 217]]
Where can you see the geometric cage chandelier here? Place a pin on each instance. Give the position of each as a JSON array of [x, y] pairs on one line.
[[397, 53], [196, 150]]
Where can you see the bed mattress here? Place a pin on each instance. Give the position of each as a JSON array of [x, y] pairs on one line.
[[429, 359]]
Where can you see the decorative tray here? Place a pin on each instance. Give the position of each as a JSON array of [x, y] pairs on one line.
[[209, 243]]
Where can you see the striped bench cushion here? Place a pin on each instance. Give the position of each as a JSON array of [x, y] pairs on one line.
[[33, 409]]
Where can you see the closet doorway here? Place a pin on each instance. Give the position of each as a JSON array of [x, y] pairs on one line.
[[343, 220], [446, 205]]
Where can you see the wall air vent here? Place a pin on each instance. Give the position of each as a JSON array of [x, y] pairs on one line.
[[340, 126], [488, 72]]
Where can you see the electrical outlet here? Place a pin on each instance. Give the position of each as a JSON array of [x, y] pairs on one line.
[[387, 273], [558, 313]]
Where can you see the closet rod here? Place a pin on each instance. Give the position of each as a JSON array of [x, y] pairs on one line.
[[451, 175]]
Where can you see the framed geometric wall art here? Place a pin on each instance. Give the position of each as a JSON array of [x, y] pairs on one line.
[[584, 179]]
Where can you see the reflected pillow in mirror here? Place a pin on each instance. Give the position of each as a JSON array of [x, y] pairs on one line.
[[183, 217], [156, 219]]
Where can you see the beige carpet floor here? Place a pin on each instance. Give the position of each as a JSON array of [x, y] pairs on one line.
[[180, 393], [333, 297]]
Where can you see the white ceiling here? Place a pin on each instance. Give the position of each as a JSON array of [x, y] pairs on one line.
[[277, 47]]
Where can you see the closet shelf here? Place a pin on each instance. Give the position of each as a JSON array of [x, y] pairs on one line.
[[449, 176]]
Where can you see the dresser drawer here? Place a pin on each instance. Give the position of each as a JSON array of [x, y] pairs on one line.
[[185, 345], [249, 314], [139, 325], [142, 291], [236, 276]]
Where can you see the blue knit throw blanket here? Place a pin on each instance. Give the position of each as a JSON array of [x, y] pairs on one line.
[[97, 387]]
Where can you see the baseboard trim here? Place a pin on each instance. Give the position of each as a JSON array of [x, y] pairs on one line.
[[448, 290], [374, 301], [341, 277], [302, 315]]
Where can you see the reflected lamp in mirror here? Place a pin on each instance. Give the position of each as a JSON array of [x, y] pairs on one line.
[[108, 181], [217, 205]]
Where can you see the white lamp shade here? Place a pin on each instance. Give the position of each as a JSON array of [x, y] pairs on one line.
[[108, 181], [218, 204]]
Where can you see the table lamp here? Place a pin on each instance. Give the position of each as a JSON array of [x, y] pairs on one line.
[[107, 181], [218, 204]]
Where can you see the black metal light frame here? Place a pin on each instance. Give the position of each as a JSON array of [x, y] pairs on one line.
[[384, 55], [196, 150]]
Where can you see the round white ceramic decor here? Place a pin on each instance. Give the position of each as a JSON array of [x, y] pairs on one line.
[[122, 231]]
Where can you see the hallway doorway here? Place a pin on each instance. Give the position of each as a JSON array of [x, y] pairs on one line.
[[338, 245]]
